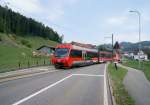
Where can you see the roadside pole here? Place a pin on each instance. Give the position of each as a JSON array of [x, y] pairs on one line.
[[112, 37], [112, 45], [98, 54]]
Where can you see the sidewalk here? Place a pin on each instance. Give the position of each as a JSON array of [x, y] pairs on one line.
[[24, 73], [137, 86]]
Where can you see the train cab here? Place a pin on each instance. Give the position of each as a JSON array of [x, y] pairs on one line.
[[68, 55]]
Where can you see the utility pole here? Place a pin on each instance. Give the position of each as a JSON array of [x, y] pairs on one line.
[[98, 54], [112, 38], [112, 45]]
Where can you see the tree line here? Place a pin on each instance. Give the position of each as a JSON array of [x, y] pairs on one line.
[[15, 23]]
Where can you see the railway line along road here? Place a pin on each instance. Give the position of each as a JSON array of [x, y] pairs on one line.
[[78, 86]]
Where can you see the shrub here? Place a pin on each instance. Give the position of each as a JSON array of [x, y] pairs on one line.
[[29, 45], [12, 37], [26, 43]]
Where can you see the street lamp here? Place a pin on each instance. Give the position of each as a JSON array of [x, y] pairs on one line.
[[139, 19]]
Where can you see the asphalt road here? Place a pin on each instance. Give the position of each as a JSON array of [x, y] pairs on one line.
[[77, 86]]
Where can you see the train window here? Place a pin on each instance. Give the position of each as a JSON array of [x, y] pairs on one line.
[[76, 53], [92, 54], [109, 55], [95, 54], [105, 55], [61, 52]]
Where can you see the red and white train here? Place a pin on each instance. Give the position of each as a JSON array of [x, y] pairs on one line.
[[69, 55], [105, 56]]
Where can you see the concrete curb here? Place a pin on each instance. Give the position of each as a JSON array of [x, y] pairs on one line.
[[23, 73], [110, 88]]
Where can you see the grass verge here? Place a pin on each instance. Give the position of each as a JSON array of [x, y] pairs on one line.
[[121, 95], [16, 52], [145, 65]]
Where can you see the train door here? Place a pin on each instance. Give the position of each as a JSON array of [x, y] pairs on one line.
[[84, 55], [76, 56]]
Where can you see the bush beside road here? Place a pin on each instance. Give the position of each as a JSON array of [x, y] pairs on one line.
[[120, 94], [144, 66]]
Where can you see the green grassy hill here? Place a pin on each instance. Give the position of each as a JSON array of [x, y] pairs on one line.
[[16, 50]]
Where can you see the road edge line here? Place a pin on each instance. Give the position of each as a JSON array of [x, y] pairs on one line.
[[90, 75], [105, 87]]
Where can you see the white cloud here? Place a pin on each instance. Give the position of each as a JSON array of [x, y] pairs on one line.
[[124, 20], [121, 23], [126, 26], [49, 10], [26, 6], [131, 37], [116, 20]]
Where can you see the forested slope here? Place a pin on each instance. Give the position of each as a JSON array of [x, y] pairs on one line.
[[15, 23]]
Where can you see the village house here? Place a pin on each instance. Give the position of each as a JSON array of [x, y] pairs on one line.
[[44, 51], [136, 56]]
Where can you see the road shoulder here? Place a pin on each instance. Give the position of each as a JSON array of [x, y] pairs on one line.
[[25, 73], [137, 85], [119, 92]]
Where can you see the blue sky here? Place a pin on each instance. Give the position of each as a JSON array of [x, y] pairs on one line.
[[89, 21]]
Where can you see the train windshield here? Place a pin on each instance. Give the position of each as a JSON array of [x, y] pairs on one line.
[[61, 52]]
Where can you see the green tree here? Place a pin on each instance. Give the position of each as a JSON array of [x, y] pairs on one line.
[[12, 22]]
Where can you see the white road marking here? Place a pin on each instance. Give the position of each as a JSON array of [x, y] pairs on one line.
[[105, 87], [43, 69], [53, 71], [88, 75], [52, 85], [40, 91]]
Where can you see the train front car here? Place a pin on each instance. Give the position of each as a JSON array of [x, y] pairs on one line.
[[60, 58], [68, 55]]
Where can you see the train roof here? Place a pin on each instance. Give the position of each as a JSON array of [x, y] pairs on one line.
[[71, 46]]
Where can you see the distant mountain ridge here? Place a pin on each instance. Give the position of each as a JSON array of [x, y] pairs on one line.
[[128, 46]]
